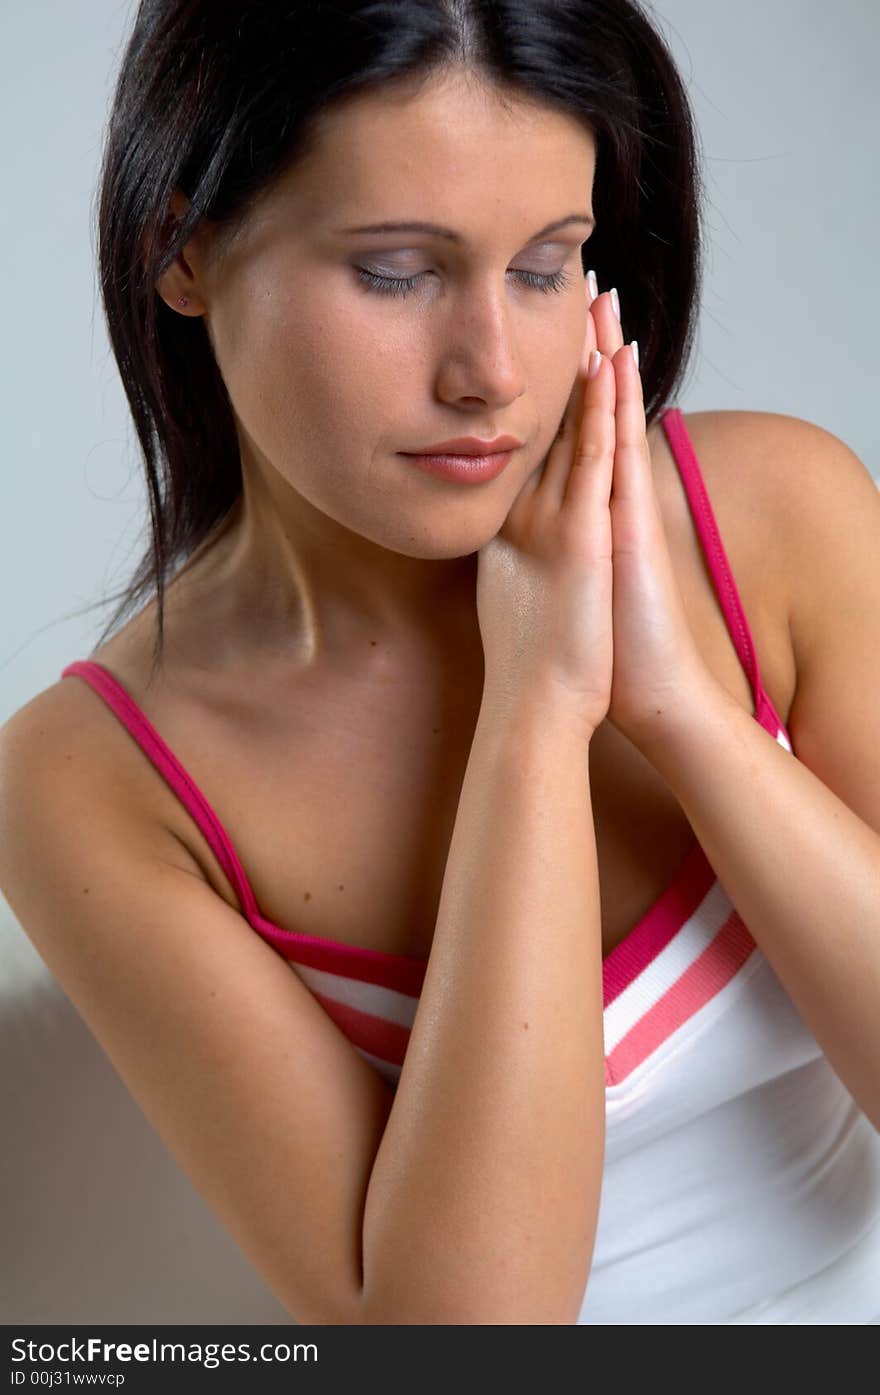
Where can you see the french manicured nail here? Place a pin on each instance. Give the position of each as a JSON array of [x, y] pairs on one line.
[[595, 361], [615, 302], [593, 284], [635, 352]]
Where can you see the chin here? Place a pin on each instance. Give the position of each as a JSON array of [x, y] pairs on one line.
[[430, 545], [440, 530]]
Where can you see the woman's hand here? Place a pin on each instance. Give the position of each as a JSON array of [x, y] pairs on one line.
[[657, 665], [577, 589], [544, 580]]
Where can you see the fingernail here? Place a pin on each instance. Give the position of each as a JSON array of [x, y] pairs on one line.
[[615, 303], [595, 361], [635, 352], [593, 284]]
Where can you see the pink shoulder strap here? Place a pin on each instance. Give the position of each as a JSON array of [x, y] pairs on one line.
[[165, 761], [713, 549]]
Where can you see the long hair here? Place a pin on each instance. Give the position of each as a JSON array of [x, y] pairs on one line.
[[219, 101]]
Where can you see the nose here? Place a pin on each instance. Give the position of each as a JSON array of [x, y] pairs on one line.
[[481, 361]]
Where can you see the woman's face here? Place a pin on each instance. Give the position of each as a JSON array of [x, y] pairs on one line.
[[331, 375]]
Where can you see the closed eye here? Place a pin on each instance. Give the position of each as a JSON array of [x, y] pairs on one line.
[[402, 285]]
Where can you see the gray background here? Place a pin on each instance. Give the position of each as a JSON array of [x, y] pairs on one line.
[[103, 1226]]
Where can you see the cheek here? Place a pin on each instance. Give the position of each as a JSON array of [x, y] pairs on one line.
[[317, 407], [276, 362]]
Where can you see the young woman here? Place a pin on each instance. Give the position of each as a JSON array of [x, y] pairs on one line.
[[469, 856]]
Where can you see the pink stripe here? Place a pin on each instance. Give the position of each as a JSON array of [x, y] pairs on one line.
[[387, 1040], [712, 971], [403, 973], [770, 719], [163, 758], [713, 548], [660, 924], [706, 524]]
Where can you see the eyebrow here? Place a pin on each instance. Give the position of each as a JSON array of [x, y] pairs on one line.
[[433, 230]]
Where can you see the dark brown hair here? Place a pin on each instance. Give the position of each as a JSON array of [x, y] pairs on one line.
[[220, 100]]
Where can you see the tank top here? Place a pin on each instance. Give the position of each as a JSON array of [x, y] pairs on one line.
[[741, 1181]]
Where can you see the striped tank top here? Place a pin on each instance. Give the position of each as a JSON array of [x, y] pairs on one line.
[[696, 1025]]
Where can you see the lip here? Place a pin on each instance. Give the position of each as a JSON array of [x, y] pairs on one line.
[[462, 469], [468, 445]]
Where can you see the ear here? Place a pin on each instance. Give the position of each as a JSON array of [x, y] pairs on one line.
[[180, 280]]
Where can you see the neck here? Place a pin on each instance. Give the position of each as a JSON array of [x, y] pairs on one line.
[[298, 586]]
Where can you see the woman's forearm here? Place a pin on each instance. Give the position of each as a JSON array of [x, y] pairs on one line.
[[802, 870], [484, 1195]]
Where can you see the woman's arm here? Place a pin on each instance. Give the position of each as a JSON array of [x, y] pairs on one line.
[[796, 842], [483, 1199]]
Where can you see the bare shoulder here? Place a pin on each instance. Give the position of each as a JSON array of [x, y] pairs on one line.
[[750, 459], [68, 808], [769, 478], [57, 730], [786, 464], [50, 732], [62, 760], [748, 463], [780, 481]]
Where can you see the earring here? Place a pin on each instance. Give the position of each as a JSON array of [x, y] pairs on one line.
[[183, 301]]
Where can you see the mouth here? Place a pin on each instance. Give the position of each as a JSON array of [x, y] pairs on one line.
[[462, 468], [467, 446]]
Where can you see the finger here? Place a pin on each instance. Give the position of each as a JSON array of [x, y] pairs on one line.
[[558, 460], [588, 486], [609, 335], [633, 471]]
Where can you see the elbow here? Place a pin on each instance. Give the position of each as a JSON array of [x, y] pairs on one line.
[[434, 1306]]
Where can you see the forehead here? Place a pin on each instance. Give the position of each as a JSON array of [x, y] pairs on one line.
[[455, 152]]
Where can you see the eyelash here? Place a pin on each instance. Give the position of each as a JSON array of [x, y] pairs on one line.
[[402, 285]]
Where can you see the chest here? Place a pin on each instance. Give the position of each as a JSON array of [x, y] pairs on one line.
[[344, 832], [342, 816], [341, 803]]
